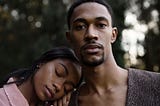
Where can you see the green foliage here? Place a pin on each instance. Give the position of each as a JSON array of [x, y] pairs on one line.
[[152, 39], [30, 27], [119, 7]]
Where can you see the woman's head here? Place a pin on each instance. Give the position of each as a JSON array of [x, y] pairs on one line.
[[55, 73], [58, 72]]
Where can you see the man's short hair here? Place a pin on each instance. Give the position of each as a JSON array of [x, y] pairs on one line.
[[79, 2]]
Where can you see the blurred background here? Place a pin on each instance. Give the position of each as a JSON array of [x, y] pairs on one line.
[[30, 27]]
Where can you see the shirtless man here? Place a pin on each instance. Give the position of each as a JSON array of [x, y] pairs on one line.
[[91, 34]]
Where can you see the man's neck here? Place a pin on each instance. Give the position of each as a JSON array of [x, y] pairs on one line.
[[104, 77]]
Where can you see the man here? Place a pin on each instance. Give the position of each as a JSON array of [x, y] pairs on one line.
[[106, 84]]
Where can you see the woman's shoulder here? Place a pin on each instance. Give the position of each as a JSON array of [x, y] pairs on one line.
[[3, 98]]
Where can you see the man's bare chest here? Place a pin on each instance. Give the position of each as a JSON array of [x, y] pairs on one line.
[[115, 99]]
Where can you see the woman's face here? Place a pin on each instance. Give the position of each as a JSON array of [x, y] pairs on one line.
[[56, 78]]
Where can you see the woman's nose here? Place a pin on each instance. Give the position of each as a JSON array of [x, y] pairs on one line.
[[59, 85]]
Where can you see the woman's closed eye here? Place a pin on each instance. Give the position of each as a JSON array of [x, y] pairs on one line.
[[61, 70]]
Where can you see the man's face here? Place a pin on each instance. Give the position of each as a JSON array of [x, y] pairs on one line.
[[91, 33]]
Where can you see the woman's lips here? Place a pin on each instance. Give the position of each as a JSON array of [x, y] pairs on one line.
[[49, 92]]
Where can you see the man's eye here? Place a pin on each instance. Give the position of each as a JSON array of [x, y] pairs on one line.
[[80, 27], [102, 26]]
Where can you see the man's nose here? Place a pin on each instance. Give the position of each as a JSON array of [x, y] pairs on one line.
[[91, 33]]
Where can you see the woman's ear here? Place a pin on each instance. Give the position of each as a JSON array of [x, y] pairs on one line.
[[39, 65], [114, 34]]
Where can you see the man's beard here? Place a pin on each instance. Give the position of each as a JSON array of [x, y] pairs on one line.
[[83, 54], [92, 63]]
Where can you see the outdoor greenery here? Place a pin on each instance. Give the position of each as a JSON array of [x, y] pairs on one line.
[[30, 27]]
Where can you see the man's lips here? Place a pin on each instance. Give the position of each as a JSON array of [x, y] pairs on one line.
[[91, 48]]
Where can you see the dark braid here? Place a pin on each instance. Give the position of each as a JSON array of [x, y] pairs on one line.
[[22, 75]]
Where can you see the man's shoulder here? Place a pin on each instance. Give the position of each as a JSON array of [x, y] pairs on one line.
[[143, 88], [144, 74], [144, 79]]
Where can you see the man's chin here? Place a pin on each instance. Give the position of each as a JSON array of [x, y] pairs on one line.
[[92, 63]]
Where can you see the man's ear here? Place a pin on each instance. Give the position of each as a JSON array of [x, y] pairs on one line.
[[114, 34], [68, 36]]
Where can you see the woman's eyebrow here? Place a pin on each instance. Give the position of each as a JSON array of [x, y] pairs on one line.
[[71, 83], [65, 68]]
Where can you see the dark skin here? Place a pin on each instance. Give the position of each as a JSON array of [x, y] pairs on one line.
[[91, 36], [53, 81]]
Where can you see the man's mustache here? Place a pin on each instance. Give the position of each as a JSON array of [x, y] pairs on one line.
[[92, 43]]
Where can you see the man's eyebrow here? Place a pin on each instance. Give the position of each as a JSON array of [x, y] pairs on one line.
[[102, 19], [80, 20], [65, 68], [97, 18]]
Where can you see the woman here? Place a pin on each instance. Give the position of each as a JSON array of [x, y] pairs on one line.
[[56, 73]]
